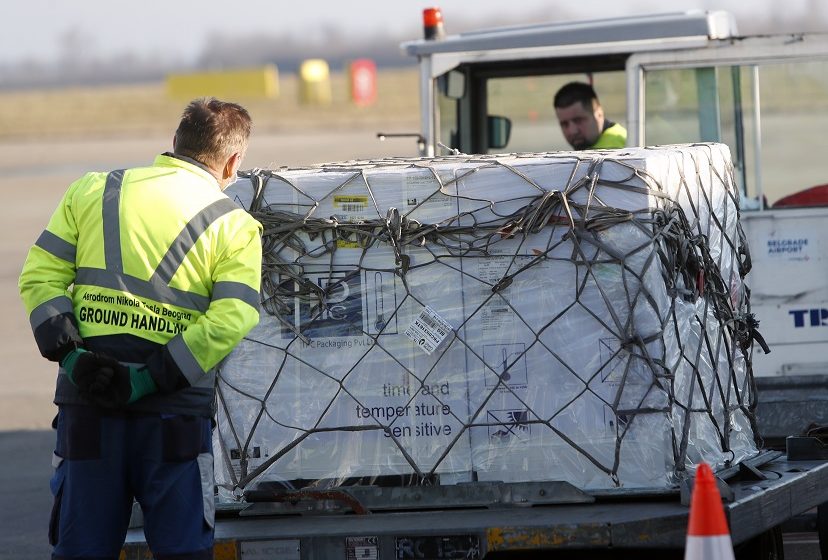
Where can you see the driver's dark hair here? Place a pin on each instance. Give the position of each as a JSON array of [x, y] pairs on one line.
[[574, 92]]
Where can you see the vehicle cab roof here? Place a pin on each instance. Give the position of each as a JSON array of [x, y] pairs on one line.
[[626, 35]]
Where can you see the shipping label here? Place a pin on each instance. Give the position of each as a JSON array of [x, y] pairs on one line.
[[423, 198], [352, 209], [428, 330]]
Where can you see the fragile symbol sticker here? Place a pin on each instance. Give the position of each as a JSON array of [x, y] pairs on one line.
[[428, 330]]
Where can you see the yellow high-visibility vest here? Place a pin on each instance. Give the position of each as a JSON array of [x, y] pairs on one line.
[[613, 137], [149, 265]]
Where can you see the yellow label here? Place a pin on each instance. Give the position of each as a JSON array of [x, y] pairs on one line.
[[351, 203], [354, 206]]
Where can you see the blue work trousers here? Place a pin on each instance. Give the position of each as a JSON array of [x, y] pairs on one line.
[[105, 459]]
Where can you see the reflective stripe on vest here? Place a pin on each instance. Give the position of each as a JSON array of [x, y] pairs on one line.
[[48, 309], [112, 221], [187, 238], [56, 246], [188, 364], [236, 290], [151, 290]]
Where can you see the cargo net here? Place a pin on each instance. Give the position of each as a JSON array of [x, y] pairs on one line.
[[577, 317]]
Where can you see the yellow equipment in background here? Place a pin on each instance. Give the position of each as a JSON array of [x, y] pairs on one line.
[[315, 82], [247, 82]]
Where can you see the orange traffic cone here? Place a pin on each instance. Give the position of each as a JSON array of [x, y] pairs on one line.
[[708, 537]]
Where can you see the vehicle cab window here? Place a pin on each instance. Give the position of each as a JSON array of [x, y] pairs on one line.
[[774, 117], [524, 99]]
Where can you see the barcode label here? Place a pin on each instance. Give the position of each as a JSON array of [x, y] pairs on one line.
[[428, 321], [350, 203], [350, 207], [428, 330]]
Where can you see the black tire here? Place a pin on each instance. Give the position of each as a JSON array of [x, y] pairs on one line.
[[765, 546], [822, 529]]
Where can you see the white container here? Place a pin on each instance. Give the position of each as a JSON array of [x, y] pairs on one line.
[[574, 349]]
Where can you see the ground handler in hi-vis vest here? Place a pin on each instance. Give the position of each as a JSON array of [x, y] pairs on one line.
[[582, 119], [142, 282]]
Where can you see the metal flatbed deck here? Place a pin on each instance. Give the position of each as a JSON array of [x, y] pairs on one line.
[[603, 520]]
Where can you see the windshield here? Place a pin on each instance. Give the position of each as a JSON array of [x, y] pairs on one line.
[[527, 102]]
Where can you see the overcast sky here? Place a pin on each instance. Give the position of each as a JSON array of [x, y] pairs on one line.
[[38, 30]]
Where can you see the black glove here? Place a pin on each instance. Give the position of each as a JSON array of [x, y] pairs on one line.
[[102, 380]]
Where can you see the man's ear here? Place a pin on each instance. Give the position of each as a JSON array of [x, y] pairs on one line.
[[598, 111], [231, 166]]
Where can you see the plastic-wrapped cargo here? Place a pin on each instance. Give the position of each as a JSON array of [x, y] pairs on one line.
[[554, 316]]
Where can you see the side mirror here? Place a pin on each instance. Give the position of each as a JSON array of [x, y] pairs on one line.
[[452, 84], [499, 129]]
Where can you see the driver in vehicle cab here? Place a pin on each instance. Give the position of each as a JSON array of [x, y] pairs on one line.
[[582, 119]]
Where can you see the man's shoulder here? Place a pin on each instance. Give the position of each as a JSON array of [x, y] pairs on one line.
[[90, 180], [617, 128], [614, 136]]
